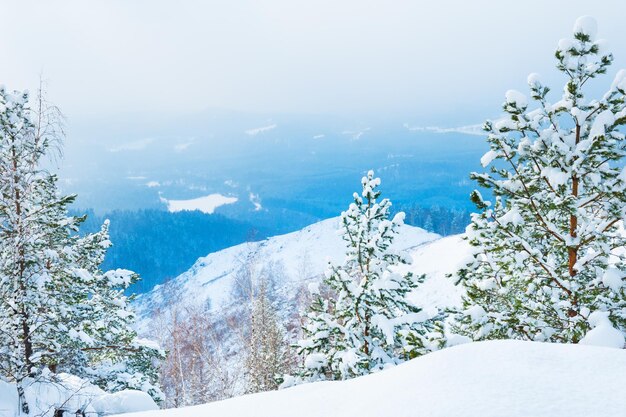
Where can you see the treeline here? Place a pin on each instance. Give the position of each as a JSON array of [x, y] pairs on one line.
[[160, 245], [441, 220]]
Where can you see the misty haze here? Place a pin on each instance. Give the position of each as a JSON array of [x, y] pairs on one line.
[[330, 208]]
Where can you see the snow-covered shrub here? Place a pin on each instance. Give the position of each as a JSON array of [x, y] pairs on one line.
[[266, 347]]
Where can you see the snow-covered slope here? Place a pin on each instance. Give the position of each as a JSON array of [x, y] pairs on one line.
[[486, 379], [302, 257]]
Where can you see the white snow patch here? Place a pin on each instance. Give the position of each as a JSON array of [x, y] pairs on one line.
[[181, 147], [620, 81], [488, 157], [555, 176], [136, 145], [534, 80], [315, 361], [256, 200], [515, 97], [476, 312], [586, 25], [437, 260], [206, 204], [476, 130], [600, 123], [603, 333], [126, 401], [513, 216], [613, 278], [356, 134], [257, 130], [153, 184]]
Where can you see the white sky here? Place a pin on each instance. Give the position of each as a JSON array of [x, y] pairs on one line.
[[430, 61]]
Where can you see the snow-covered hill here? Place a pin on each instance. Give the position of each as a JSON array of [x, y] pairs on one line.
[[302, 257], [485, 379]]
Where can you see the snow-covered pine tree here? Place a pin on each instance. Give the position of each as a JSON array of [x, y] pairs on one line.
[[361, 321], [49, 295], [549, 251], [30, 238], [267, 358]]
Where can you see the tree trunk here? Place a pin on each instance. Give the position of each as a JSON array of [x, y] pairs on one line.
[[573, 220], [22, 398], [28, 346]]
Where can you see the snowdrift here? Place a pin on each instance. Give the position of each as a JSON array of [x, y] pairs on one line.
[[485, 379], [71, 393]]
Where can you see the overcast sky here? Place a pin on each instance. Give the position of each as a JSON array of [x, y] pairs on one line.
[[426, 61]]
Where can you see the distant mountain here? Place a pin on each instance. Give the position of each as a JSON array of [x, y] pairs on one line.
[[160, 245], [279, 172], [273, 173], [296, 259]]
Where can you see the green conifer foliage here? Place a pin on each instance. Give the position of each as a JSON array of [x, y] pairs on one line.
[[549, 249]]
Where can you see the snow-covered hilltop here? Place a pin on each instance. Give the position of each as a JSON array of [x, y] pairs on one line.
[[485, 379], [299, 258]]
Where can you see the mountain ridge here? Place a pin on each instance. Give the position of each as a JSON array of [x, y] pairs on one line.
[[299, 258]]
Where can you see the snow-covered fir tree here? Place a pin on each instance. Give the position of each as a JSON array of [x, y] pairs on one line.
[[549, 249], [55, 306], [361, 321]]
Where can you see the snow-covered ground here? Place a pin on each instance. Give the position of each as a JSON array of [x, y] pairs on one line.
[[485, 379], [70, 393], [302, 257]]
